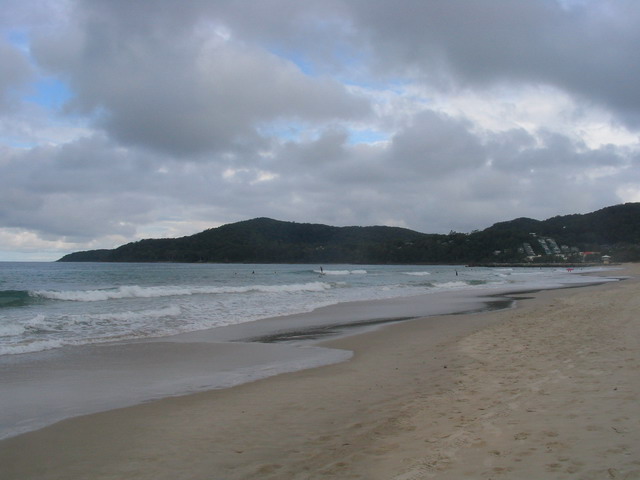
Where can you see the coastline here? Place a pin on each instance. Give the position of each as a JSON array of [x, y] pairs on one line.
[[415, 399], [41, 388]]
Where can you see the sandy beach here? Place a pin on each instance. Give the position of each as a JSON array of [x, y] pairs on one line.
[[550, 389]]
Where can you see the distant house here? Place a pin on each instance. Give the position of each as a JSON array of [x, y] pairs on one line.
[[589, 256]]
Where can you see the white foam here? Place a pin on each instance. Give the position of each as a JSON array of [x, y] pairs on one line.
[[451, 285], [135, 291], [39, 322], [130, 317], [30, 346], [10, 330], [342, 272], [68, 329], [417, 274]]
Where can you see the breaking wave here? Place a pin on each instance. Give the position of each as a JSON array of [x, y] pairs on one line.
[[135, 291], [341, 272]]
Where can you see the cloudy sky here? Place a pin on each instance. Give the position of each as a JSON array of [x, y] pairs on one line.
[[122, 120]]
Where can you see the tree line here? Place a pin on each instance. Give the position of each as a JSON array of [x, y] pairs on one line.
[[613, 230]]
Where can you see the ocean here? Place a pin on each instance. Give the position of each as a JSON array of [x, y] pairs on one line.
[[77, 338]]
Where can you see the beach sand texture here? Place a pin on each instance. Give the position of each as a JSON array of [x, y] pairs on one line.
[[548, 390]]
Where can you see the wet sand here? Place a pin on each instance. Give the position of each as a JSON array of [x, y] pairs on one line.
[[549, 389]]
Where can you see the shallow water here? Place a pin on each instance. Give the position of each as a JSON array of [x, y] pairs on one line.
[[52, 305]]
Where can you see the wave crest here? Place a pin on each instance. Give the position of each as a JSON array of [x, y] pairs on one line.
[[341, 272], [135, 291], [14, 298]]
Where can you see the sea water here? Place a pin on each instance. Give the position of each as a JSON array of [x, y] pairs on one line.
[[53, 305], [78, 338]]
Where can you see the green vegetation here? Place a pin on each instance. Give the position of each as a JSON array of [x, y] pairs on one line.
[[613, 230]]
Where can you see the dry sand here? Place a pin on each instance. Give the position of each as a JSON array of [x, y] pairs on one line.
[[549, 390]]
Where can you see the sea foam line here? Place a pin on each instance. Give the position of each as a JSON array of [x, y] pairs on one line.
[[28, 337], [341, 272], [135, 291]]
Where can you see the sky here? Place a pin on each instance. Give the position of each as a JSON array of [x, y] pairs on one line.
[[122, 120]]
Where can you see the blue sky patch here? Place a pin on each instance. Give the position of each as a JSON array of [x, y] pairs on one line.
[[366, 136], [50, 93]]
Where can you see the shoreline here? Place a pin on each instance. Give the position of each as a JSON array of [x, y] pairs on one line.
[[41, 388], [341, 420]]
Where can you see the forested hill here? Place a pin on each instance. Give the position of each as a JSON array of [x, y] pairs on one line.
[[613, 230], [261, 240]]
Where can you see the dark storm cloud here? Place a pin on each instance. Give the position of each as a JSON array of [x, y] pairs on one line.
[[156, 77], [78, 190], [110, 190], [436, 144], [14, 72], [439, 174], [589, 49], [175, 85]]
